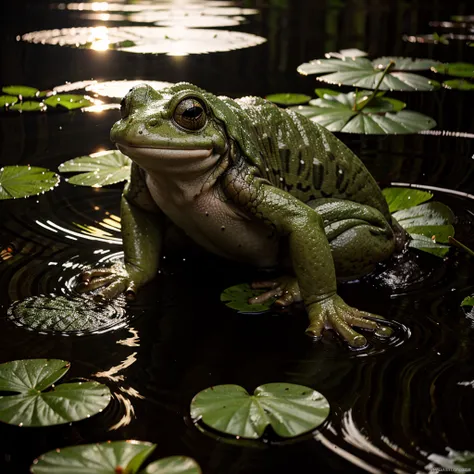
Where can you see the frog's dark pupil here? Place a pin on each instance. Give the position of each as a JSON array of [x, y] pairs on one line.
[[193, 112]]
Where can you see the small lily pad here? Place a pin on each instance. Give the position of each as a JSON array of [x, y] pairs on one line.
[[291, 410], [468, 301], [25, 181], [23, 91], [348, 113], [74, 316], [403, 198], [361, 72], [68, 101], [102, 458], [29, 106], [8, 100], [173, 465], [455, 69], [33, 406], [288, 98], [459, 84], [237, 296], [98, 169]]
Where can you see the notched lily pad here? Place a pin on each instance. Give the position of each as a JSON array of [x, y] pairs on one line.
[[361, 72], [70, 315], [68, 101], [98, 169], [291, 410], [357, 113], [403, 198], [25, 181], [288, 98], [37, 402], [237, 296]]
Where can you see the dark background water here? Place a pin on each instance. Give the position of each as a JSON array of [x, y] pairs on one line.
[[393, 404]]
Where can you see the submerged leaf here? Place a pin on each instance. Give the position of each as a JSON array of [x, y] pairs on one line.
[[353, 113], [25, 181], [289, 409], [32, 406], [23, 91], [403, 198], [173, 465], [362, 72], [288, 98], [101, 458], [237, 296], [68, 101], [102, 169]]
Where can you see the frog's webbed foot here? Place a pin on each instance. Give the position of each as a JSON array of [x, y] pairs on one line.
[[334, 313], [285, 289], [112, 281]]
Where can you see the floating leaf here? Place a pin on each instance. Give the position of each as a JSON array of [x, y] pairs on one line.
[[288, 98], [68, 101], [455, 69], [321, 92], [289, 409], [347, 113], [72, 315], [459, 84], [102, 169], [29, 106], [7, 100], [23, 91], [362, 72], [403, 198], [102, 458], [31, 406], [405, 64], [346, 53], [24, 181], [420, 221], [468, 301], [237, 296], [173, 465]]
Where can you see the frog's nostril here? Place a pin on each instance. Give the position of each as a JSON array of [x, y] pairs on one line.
[[153, 122]]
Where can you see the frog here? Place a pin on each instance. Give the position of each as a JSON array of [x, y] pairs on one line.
[[253, 183]]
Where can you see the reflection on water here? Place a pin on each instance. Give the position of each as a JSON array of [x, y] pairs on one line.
[[142, 39]]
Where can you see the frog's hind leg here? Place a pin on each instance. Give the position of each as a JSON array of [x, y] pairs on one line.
[[359, 235]]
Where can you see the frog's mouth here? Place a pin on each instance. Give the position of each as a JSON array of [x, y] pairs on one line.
[[140, 153]]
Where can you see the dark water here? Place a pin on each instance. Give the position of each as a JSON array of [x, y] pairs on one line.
[[392, 405]]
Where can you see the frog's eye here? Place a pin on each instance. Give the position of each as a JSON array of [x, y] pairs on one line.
[[190, 114]]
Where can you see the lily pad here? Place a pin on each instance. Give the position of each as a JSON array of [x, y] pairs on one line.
[[23, 91], [468, 301], [348, 113], [101, 169], [459, 84], [455, 69], [291, 410], [406, 64], [102, 458], [288, 98], [25, 181], [68, 101], [403, 198], [71, 315], [29, 106], [361, 72], [237, 296], [33, 406], [8, 100], [173, 465], [346, 53]]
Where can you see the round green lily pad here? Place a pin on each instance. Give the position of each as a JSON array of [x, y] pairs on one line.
[[173, 465], [237, 297], [37, 402], [25, 181], [24, 91], [8, 100], [68, 101], [403, 198], [29, 106], [103, 458], [72, 315], [291, 410]]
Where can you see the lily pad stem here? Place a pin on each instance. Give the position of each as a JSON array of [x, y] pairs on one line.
[[374, 93], [458, 244]]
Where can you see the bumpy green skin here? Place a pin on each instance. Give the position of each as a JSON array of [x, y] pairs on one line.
[[276, 181]]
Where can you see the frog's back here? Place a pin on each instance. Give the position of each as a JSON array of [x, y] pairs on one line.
[[303, 158]]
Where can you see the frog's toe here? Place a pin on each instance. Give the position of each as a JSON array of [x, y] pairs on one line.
[[88, 275], [285, 289], [94, 283], [268, 295]]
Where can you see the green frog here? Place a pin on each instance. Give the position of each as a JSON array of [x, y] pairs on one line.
[[254, 183]]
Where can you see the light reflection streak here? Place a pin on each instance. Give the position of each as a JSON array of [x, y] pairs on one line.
[[127, 416], [133, 341], [112, 373], [435, 188]]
